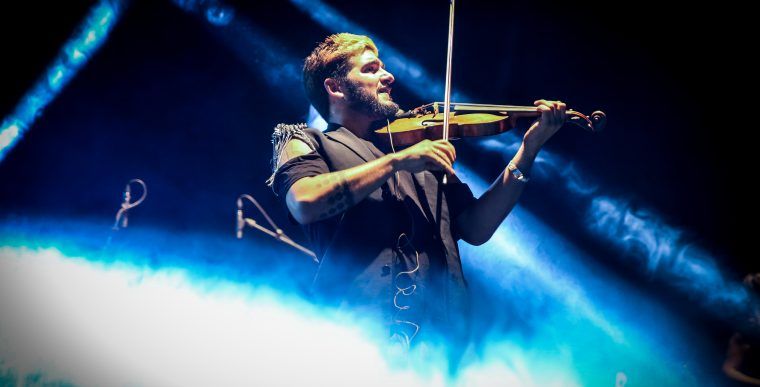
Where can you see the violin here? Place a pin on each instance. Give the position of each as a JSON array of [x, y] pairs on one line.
[[467, 120]]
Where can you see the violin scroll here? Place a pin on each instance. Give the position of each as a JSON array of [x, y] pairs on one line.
[[594, 123]]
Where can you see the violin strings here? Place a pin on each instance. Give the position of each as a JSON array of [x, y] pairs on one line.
[[461, 106]]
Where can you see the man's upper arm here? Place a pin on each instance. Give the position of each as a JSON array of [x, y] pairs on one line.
[[293, 148]]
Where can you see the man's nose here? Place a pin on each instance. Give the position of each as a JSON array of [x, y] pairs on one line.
[[387, 78]]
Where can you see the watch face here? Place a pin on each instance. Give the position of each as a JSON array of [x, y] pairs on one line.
[[517, 173]]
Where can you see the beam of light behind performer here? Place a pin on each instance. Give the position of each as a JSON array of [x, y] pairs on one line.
[[75, 53]]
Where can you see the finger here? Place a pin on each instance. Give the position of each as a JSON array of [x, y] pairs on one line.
[[554, 111], [453, 150], [556, 117], [447, 169], [450, 171], [445, 157], [442, 163], [445, 149], [448, 149], [433, 164], [441, 157], [546, 113], [562, 108]]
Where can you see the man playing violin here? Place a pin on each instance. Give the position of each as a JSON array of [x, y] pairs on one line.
[[383, 224]]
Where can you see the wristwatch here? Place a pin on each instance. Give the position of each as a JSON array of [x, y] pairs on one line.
[[517, 173]]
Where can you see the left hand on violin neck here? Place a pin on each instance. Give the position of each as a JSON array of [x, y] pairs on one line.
[[551, 120]]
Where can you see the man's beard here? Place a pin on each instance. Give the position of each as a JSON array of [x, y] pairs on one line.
[[361, 100]]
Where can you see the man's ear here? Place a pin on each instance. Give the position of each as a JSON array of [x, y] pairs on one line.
[[332, 86]]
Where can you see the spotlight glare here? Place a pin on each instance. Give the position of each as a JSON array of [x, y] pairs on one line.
[[8, 134]]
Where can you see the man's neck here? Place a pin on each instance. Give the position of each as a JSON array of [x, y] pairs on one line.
[[359, 124]]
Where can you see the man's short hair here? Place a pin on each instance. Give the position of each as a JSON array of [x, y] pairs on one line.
[[330, 59]]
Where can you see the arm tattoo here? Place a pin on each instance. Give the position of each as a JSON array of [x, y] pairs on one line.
[[340, 199]]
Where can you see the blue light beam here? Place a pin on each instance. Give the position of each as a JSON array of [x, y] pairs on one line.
[[665, 253], [656, 247], [81, 47]]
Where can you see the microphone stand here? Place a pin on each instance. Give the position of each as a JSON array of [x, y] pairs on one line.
[[276, 234]]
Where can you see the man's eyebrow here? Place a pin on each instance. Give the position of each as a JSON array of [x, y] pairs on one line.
[[375, 61]]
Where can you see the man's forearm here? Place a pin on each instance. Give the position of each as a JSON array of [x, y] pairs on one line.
[[734, 373], [315, 198], [478, 223]]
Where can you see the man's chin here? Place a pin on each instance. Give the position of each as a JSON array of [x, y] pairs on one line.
[[389, 109]]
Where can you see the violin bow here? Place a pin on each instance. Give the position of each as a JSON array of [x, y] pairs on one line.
[[447, 92]]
